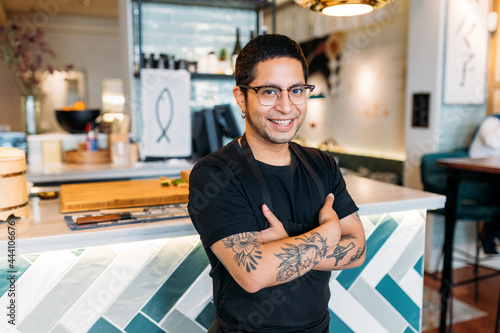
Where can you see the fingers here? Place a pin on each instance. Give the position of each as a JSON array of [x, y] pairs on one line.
[[329, 199], [326, 212], [275, 231], [271, 218]]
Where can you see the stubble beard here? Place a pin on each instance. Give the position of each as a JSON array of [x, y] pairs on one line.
[[266, 134]]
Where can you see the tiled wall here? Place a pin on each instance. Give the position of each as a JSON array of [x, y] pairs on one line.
[[191, 32], [164, 286]]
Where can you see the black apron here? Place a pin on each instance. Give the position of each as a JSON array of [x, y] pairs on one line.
[[219, 326]]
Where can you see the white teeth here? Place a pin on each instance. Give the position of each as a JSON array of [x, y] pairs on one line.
[[282, 122]]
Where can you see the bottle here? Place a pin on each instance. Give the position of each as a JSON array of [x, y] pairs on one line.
[[237, 48], [91, 142], [162, 61], [224, 64], [252, 33]]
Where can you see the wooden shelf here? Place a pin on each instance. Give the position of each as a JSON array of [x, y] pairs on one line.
[[212, 76], [240, 4]]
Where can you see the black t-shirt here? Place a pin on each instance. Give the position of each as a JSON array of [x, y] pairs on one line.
[[226, 198]]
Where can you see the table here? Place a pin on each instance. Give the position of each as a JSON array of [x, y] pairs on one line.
[[477, 169]]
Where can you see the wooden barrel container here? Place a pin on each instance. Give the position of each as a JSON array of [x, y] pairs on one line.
[[13, 184]]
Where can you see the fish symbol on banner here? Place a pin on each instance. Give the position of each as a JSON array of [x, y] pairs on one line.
[[164, 112]]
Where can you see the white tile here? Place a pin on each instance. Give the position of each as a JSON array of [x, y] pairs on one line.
[[198, 296], [36, 281], [107, 287], [413, 285], [350, 311]]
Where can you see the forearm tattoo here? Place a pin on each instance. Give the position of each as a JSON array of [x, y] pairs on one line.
[[341, 251], [356, 256], [246, 248], [299, 259]]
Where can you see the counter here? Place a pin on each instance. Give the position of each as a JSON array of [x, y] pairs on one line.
[[144, 277], [60, 173]]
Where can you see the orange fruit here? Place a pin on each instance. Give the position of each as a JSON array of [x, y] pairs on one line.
[[67, 108], [79, 106]]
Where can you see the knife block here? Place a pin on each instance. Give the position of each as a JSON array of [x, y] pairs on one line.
[[82, 156]]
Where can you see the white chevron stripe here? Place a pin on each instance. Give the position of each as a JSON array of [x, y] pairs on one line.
[[198, 296], [350, 311], [107, 287], [409, 283], [38, 279]]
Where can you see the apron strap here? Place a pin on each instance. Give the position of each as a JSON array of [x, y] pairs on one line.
[[256, 172], [314, 175]]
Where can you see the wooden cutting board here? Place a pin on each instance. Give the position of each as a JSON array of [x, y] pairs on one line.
[[119, 194]]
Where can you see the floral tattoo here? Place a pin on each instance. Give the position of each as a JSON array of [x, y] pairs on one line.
[[246, 249], [298, 259]]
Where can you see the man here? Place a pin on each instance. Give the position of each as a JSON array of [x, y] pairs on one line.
[[274, 217], [486, 140], [486, 143]]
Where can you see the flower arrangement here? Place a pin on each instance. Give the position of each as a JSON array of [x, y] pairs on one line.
[[22, 48]]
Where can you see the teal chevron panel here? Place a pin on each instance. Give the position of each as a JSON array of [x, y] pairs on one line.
[[21, 265], [390, 290], [419, 266], [337, 325], [177, 284], [206, 316], [141, 324], [103, 326], [169, 289], [374, 242]]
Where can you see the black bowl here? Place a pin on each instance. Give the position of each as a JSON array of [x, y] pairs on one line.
[[75, 121]]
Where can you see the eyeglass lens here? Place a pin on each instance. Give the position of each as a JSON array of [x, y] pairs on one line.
[[270, 95]]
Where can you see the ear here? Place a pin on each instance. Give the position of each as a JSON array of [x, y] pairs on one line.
[[239, 97]]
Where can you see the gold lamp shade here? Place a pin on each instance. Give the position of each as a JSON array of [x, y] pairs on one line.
[[343, 7]]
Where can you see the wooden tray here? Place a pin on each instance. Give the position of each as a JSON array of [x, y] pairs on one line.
[[119, 194], [87, 157]]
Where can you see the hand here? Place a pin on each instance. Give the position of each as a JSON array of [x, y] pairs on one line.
[[326, 213], [275, 231]]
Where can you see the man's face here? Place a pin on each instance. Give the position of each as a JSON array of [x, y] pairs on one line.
[[278, 123]]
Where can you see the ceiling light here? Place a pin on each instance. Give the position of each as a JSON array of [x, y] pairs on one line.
[[343, 7]]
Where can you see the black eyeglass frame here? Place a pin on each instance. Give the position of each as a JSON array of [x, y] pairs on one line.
[[257, 88]]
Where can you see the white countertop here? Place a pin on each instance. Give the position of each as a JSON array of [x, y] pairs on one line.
[[63, 173], [45, 229]]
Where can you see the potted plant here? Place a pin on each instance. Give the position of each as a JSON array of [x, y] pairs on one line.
[[24, 49]]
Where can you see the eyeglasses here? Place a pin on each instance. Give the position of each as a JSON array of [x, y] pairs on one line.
[[270, 95]]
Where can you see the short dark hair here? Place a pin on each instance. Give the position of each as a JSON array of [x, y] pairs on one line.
[[262, 48]]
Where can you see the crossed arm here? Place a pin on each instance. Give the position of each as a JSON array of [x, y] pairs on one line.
[[262, 259]]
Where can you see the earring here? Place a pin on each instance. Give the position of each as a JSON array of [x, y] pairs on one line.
[[243, 115]]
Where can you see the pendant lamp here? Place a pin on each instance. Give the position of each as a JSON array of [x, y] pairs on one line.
[[343, 7]]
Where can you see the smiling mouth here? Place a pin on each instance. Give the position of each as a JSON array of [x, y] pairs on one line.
[[282, 122]]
